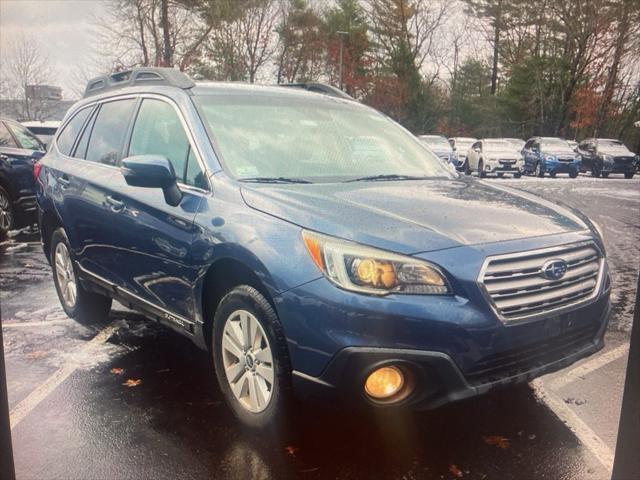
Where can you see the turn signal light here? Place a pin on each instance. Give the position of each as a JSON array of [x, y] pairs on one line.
[[384, 383]]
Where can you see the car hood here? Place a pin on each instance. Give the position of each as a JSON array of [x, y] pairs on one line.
[[617, 151], [414, 216]]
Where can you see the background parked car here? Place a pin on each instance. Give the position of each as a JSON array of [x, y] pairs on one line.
[[603, 156], [494, 155], [43, 130], [460, 145], [550, 155], [19, 149], [440, 146]]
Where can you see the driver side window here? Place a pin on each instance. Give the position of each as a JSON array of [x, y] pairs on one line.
[[158, 131]]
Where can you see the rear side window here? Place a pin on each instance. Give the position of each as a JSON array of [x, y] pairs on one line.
[[6, 140], [71, 130], [109, 130]]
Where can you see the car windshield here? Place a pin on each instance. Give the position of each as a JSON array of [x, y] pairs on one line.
[[556, 144], [433, 141], [497, 145], [611, 144], [312, 140]]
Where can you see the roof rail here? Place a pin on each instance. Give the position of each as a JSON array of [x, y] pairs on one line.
[[138, 76], [319, 88]]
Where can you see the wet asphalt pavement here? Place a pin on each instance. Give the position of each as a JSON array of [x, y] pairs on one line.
[[73, 416]]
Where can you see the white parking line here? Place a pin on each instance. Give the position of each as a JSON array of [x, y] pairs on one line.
[[587, 437], [45, 323], [588, 367], [20, 411]]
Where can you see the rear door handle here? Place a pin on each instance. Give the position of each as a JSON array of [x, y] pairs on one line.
[[64, 181], [116, 205]]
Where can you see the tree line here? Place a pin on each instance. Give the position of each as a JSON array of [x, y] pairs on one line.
[[567, 68]]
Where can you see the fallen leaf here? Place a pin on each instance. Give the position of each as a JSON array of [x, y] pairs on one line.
[[117, 371], [291, 450], [455, 471], [497, 440], [132, 383], [532, 436], [37, 354]]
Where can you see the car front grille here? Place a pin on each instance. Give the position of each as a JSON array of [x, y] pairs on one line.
[[533, 355], [517, 288], [565, 159], [507, 161], [623, 160]]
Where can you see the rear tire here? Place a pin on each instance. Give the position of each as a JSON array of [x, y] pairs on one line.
[[605, 174], [629, 175], [250, 353], [553, 175], [6, 213], [81, 305], [573, 174], [467, 168]]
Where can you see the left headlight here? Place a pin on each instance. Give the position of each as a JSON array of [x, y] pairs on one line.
[[365, 269], [550, 158], [607, 158]]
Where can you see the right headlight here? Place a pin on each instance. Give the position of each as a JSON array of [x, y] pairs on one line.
[[365, 269]]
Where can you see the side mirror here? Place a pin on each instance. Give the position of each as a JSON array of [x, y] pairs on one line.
[[152, 171], [37, 154], [477, 150]]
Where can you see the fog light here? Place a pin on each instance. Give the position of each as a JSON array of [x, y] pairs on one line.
[[384, 383]]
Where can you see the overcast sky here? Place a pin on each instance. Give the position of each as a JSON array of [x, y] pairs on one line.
[[62, 28]]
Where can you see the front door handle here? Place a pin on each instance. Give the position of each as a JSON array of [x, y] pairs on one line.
[[116, 205]]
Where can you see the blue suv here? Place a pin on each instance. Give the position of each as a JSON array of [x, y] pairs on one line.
[[312, 245], [550, 155]]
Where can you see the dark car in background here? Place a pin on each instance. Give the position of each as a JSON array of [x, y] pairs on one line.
[[550, 155], [604, 156], [312, 245], [441, 147], [19, 149]]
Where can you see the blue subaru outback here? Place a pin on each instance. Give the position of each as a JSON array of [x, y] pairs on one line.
[[312, 245], [550, 155]]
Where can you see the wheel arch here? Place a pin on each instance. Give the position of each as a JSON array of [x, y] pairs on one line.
[[49, 222], [232, 267]]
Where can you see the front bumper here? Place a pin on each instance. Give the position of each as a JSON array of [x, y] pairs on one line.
[[618, 167], [438, 379], [562, 167], [494, 167]]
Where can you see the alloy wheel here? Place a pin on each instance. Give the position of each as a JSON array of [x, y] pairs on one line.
[[65, 275], [6, 213], [248, 361]]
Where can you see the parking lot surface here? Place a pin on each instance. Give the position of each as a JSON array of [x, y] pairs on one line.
[[130, 399]]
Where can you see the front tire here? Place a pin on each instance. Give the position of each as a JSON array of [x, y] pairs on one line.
[[605, 174], [6, 212], [80, 304], [467, 168], [629, 175], [538, 171], [573, 174], [481, 172], [251, 359]]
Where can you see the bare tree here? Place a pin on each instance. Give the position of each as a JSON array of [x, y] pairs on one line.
[[25, 65]]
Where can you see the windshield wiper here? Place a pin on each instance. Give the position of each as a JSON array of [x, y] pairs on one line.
[[382, 178], [274, 180]]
